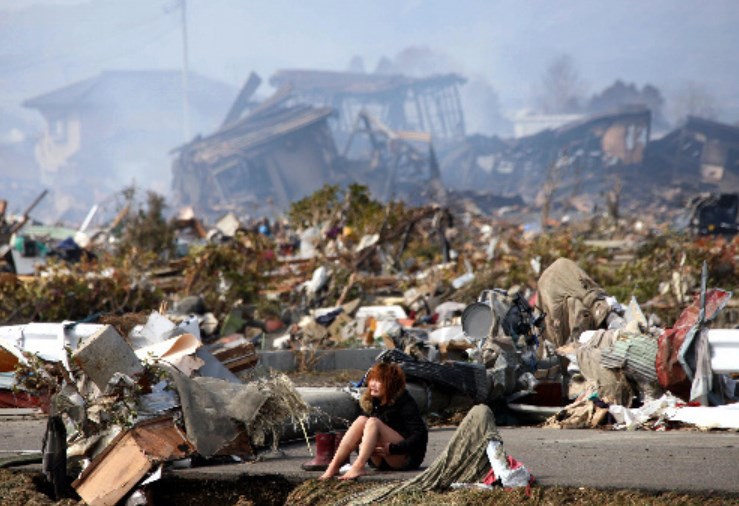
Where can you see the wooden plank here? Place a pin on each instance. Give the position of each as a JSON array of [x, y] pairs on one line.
[[128, 458], [250, 86], [160, 439], [241, 363], [8, 360], [232, 352], [120, 471]]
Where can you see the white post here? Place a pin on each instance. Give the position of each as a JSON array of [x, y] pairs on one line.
[[185, 72]]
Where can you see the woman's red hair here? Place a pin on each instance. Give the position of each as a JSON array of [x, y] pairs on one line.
[[392, 378]]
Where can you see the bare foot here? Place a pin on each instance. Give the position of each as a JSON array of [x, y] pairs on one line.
[[353, 473], [328, 474]]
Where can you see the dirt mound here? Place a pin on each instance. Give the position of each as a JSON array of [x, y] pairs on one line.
[[316, 493]]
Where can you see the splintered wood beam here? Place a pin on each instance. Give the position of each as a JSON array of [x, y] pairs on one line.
[[419, 112], [440, 113], [242, 100], [460, 110], [277, 183], [449, 109]]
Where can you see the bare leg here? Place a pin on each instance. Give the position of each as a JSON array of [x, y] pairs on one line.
[[348, 443], [375, 434]]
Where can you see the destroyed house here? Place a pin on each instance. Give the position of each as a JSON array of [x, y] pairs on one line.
[[430, 104], [612, 138], [119, 125], [391, 164], [17, 165], [574, 154], [702, 150], [272, 156]]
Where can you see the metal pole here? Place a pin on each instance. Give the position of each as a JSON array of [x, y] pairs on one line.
[[185, 72]]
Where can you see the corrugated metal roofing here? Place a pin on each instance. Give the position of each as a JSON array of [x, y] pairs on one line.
[[635, 355]]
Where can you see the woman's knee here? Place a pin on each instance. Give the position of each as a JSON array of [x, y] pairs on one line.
[[373, 424]]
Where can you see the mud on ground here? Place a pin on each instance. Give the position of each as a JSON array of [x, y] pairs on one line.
[[22, 488], [315, 493], [25, 488]]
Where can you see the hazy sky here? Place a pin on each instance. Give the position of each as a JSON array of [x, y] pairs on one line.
[[45, 44], [503, 45]]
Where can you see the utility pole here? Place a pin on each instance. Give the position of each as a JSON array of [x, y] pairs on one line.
[[185, 72]]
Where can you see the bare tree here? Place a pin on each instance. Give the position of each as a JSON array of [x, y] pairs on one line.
[[621, 94], [549, 187], [561, 87]]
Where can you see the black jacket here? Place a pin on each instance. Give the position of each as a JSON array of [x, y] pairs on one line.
[[403, 416]]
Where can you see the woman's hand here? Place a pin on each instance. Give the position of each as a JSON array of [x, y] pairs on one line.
[[382, 451]]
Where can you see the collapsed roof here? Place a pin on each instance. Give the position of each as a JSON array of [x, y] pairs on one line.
[[281, 150], [273, 155], [388, 127], [569, 156], [429, 104], [700, 150]]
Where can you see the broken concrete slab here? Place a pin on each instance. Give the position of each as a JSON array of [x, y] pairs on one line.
[[105, 353]]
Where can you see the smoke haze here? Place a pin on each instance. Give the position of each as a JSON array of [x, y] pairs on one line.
[[502, 47]]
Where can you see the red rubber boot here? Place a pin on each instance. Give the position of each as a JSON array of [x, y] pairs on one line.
[[324, 453]]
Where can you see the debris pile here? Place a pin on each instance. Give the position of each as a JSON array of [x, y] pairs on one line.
[[376, 130], [123, 406], [166, 324]]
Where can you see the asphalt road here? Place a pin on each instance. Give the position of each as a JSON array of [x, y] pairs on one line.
[[681, 461]]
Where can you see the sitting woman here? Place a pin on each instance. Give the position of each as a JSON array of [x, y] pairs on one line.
[[391, 434]]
